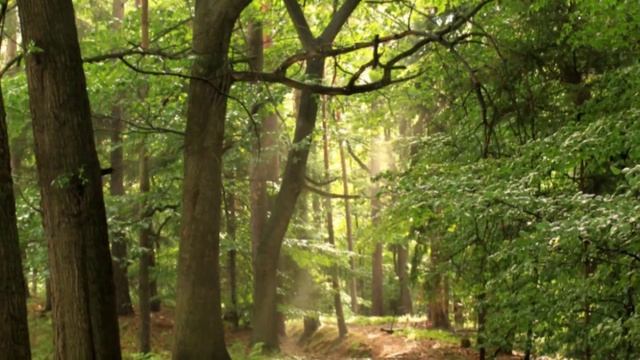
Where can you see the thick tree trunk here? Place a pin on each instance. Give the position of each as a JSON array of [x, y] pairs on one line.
[[84, 311], [119, 249], [268, 251], [335, 280], [199, 332], [14, 333]]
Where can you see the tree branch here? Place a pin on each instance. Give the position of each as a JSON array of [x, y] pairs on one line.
[[363, 166], [328, 194], [301, 25], [337, 21]]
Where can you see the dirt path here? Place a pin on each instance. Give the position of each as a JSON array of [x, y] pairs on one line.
[[369, 342]]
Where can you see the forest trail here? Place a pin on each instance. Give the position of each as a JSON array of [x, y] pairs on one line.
[[370, 342], [409, 341]]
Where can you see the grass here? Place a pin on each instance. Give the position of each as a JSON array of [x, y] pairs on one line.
[[442, 336]]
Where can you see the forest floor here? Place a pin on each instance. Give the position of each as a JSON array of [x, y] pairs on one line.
[[366, 340]]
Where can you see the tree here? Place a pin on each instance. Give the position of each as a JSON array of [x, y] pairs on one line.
[[84, 312], [116, 187], [268, 251], [14, 333], [199, 331]]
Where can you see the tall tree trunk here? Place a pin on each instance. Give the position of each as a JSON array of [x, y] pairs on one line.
[[14, 333], [402, 250], [199, 330], [146, 242], [265, 166], [84, 311], [353, 286], [119, 250], [146, 254], [335, 280], [232, 226], [377, 275]]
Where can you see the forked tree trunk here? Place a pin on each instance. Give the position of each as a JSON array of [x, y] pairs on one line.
[[119, 250], [268, 250], [199, 332], [293, 180], [14, 333], [84, 311]]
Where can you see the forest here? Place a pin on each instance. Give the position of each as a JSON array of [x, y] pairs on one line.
[[315, 179]]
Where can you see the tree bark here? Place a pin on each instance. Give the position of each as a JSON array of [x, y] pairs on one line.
[[119, 249], [199, 332], [84, 311], [14, 332]]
